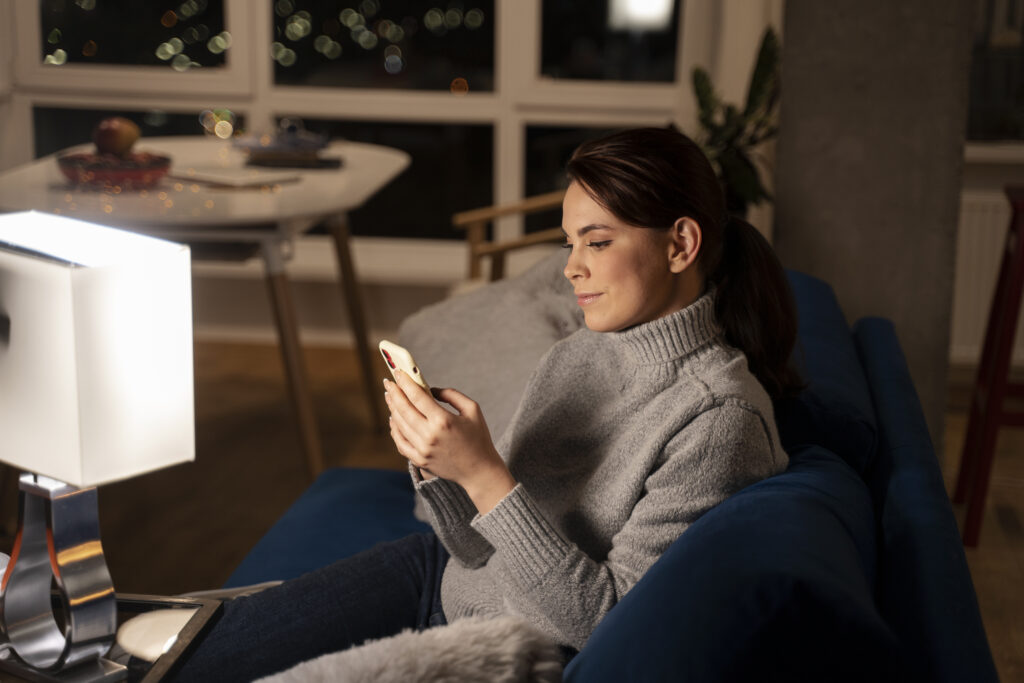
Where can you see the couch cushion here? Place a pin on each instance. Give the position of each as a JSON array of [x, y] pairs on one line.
[[834, 410], [773, 584], [344, 511], [487, 342]]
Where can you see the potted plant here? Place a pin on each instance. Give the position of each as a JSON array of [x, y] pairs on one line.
[[729, 135]]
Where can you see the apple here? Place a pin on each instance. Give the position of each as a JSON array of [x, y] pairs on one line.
[[115, 135]]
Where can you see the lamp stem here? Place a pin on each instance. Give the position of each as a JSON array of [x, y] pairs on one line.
[[58, 544]]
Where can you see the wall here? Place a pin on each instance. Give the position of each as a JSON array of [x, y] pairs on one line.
[[873, 114]]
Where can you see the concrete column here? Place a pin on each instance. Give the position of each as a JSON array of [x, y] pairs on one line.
[[870, 155]]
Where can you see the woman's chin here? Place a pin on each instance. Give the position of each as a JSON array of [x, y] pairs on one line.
[[596, 323]]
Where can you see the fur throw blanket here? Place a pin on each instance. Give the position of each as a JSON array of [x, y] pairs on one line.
[[498, 650]]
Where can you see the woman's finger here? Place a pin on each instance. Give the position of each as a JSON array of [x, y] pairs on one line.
[[456, 399], [406, 419], [399, 398], [417, 396], [405, 449]]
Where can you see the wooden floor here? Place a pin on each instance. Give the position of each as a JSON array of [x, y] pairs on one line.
[[187, 527]]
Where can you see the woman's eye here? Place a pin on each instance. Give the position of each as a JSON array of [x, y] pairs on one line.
[[599, 245], [566, 246]]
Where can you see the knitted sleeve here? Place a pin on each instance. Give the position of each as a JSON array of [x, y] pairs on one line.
[[451, 511], [719, 452]]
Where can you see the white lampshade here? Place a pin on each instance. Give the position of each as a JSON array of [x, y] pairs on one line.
[[96, 359]]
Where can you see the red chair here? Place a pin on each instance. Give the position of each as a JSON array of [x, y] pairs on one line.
[[992, 385]]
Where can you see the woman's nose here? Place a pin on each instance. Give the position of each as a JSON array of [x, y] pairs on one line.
[[573, 266]]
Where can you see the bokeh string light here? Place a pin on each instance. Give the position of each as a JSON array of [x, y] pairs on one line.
[[218, 122], [354, 43], [172, 34], [375, 41]]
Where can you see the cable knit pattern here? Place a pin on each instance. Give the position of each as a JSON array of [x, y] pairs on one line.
[[620, 442]]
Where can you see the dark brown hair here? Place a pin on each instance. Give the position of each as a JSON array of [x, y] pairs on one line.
[[649, 178]]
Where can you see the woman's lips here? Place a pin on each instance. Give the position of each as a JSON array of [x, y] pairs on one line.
[[586, 299]]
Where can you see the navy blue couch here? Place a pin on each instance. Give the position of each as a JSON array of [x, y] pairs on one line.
[[847, 566]]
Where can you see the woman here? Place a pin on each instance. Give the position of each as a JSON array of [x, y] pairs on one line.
[[628, 431]]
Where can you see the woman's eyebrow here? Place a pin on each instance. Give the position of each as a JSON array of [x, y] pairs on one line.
[[588, 228]]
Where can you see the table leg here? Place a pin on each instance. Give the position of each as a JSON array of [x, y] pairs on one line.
[[353, 301], [291, 354]]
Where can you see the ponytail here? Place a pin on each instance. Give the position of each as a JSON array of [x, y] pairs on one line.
[[755, 307]]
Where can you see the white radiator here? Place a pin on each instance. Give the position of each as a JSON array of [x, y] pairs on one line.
[[981, 238]]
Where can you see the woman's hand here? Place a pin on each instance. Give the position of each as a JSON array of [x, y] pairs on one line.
[[457, 447]]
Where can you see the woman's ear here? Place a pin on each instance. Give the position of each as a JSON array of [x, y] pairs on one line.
[[684, 244]]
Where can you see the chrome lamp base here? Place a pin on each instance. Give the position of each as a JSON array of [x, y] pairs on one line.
[[90, 672], [57, 562]]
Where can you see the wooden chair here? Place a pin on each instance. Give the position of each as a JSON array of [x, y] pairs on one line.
[[992, 385], [474, 222]]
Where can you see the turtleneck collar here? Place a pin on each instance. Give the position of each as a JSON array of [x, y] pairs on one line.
[[675, 335]]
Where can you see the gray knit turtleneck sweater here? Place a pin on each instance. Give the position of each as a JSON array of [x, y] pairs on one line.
[[621, 441]]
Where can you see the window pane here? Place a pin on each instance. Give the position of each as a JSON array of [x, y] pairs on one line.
[[450, 171], [180, 35], [610, 40], [58, 127], [548, 149], [997, 72], [385, 44]]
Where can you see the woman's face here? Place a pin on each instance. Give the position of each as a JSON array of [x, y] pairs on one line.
[[621, 274]]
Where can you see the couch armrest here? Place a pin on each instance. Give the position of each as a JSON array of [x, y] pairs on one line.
[[923, 583]]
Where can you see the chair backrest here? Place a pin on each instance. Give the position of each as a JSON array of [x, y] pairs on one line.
[[475, 221]]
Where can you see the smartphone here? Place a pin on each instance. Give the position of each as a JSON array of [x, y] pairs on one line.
[[398, 358]]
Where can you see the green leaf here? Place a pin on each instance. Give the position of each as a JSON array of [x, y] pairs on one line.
[[740, 179], [764, 81], [707, 100], [733, 126]]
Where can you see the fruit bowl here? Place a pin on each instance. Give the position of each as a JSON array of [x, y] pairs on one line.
[[136, 169]]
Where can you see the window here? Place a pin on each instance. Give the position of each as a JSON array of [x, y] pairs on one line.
[[179, 35], [997, 72], [449, 172], [400, 44]]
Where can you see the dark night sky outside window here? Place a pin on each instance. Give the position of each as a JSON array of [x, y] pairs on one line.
[[393, 44], [178, 35]]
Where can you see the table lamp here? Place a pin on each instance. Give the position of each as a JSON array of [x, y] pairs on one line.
[[95, 386]]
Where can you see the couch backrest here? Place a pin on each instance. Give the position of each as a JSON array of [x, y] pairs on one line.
[[834, 410]]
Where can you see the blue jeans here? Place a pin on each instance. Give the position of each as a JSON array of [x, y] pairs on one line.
[[377, 593]]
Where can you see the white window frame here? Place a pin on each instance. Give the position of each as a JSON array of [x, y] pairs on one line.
[[721, 35]]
